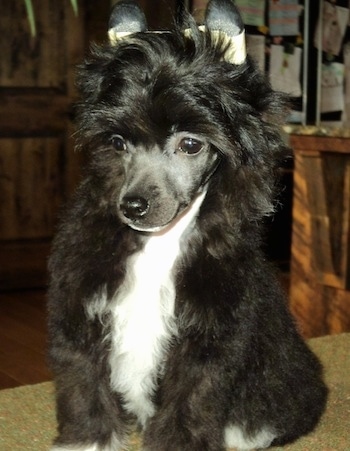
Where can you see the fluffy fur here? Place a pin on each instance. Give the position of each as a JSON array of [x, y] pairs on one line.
[[176, 322]]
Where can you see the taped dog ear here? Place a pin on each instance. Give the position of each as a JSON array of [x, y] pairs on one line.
[[224, 22], [126, 18], [223, 17]]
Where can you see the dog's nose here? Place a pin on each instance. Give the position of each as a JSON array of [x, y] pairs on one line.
[[134, 207]]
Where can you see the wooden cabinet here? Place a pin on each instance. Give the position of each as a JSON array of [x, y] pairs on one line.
[[320, 262]]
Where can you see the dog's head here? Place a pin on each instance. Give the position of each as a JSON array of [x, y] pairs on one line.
[[162, 110]]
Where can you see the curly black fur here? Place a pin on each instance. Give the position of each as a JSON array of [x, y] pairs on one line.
[[237, 357]]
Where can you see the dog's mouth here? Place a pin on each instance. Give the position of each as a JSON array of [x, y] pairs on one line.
[[150, 229], [137, 213]]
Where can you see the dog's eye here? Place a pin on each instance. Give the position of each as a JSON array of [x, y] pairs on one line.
[[118, 143], [190, 146]]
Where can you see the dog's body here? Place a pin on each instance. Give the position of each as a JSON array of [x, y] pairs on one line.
[[162, 306]]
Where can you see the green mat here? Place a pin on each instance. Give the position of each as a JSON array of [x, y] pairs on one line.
[[27, 418]]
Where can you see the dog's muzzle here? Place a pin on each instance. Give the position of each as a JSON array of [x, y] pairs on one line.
[[148, 214]]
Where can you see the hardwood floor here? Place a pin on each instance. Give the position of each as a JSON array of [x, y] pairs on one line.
[[23, 338]]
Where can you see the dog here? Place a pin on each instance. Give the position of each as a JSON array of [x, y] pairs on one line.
[[163, 309]]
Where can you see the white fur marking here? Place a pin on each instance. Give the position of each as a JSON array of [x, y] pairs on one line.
[[143, 316], [78, 448], [114, 445], [235, 438], [97, 306]]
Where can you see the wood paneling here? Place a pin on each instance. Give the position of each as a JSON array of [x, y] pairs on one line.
[[32, 186], [38, 165], [327, 177], [26, 113], [28, 61], [319, 293], [23, 263], [160, 14]]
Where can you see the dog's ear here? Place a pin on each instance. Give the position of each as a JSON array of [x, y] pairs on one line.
[[126, 18], [223, 18]]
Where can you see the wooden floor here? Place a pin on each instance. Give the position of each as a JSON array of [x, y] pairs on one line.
[[23, 338]]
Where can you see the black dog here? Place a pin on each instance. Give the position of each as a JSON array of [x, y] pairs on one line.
[[162, 306]]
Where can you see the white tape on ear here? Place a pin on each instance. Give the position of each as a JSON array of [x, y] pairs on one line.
[[114, 36], [236, 52]]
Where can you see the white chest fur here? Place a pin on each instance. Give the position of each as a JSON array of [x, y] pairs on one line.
[[143, 316]]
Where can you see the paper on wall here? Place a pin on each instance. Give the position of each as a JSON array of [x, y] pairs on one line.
[[285, 70], [252, 11], [334, 23], [284, 17], [332, 81]]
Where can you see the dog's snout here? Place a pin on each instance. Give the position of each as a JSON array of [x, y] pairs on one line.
[[134, 207]]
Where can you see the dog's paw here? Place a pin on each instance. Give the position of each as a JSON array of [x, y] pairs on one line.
[[93, 447], [236, 438]]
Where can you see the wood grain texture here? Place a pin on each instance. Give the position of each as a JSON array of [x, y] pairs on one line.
[[28, 61], [32, 187], [38, 165], [23, 264], [23, 339], [160, 14], [319, 293], [327, 177]]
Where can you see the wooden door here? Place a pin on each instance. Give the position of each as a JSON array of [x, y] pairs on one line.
[[38, 166]]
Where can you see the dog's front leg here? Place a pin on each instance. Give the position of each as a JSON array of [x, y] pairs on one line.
[[192, 405], [90, 417]]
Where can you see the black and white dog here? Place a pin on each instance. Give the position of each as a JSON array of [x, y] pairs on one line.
[[162, 307]]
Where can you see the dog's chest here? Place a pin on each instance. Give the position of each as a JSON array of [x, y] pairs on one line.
[[143, 323]]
